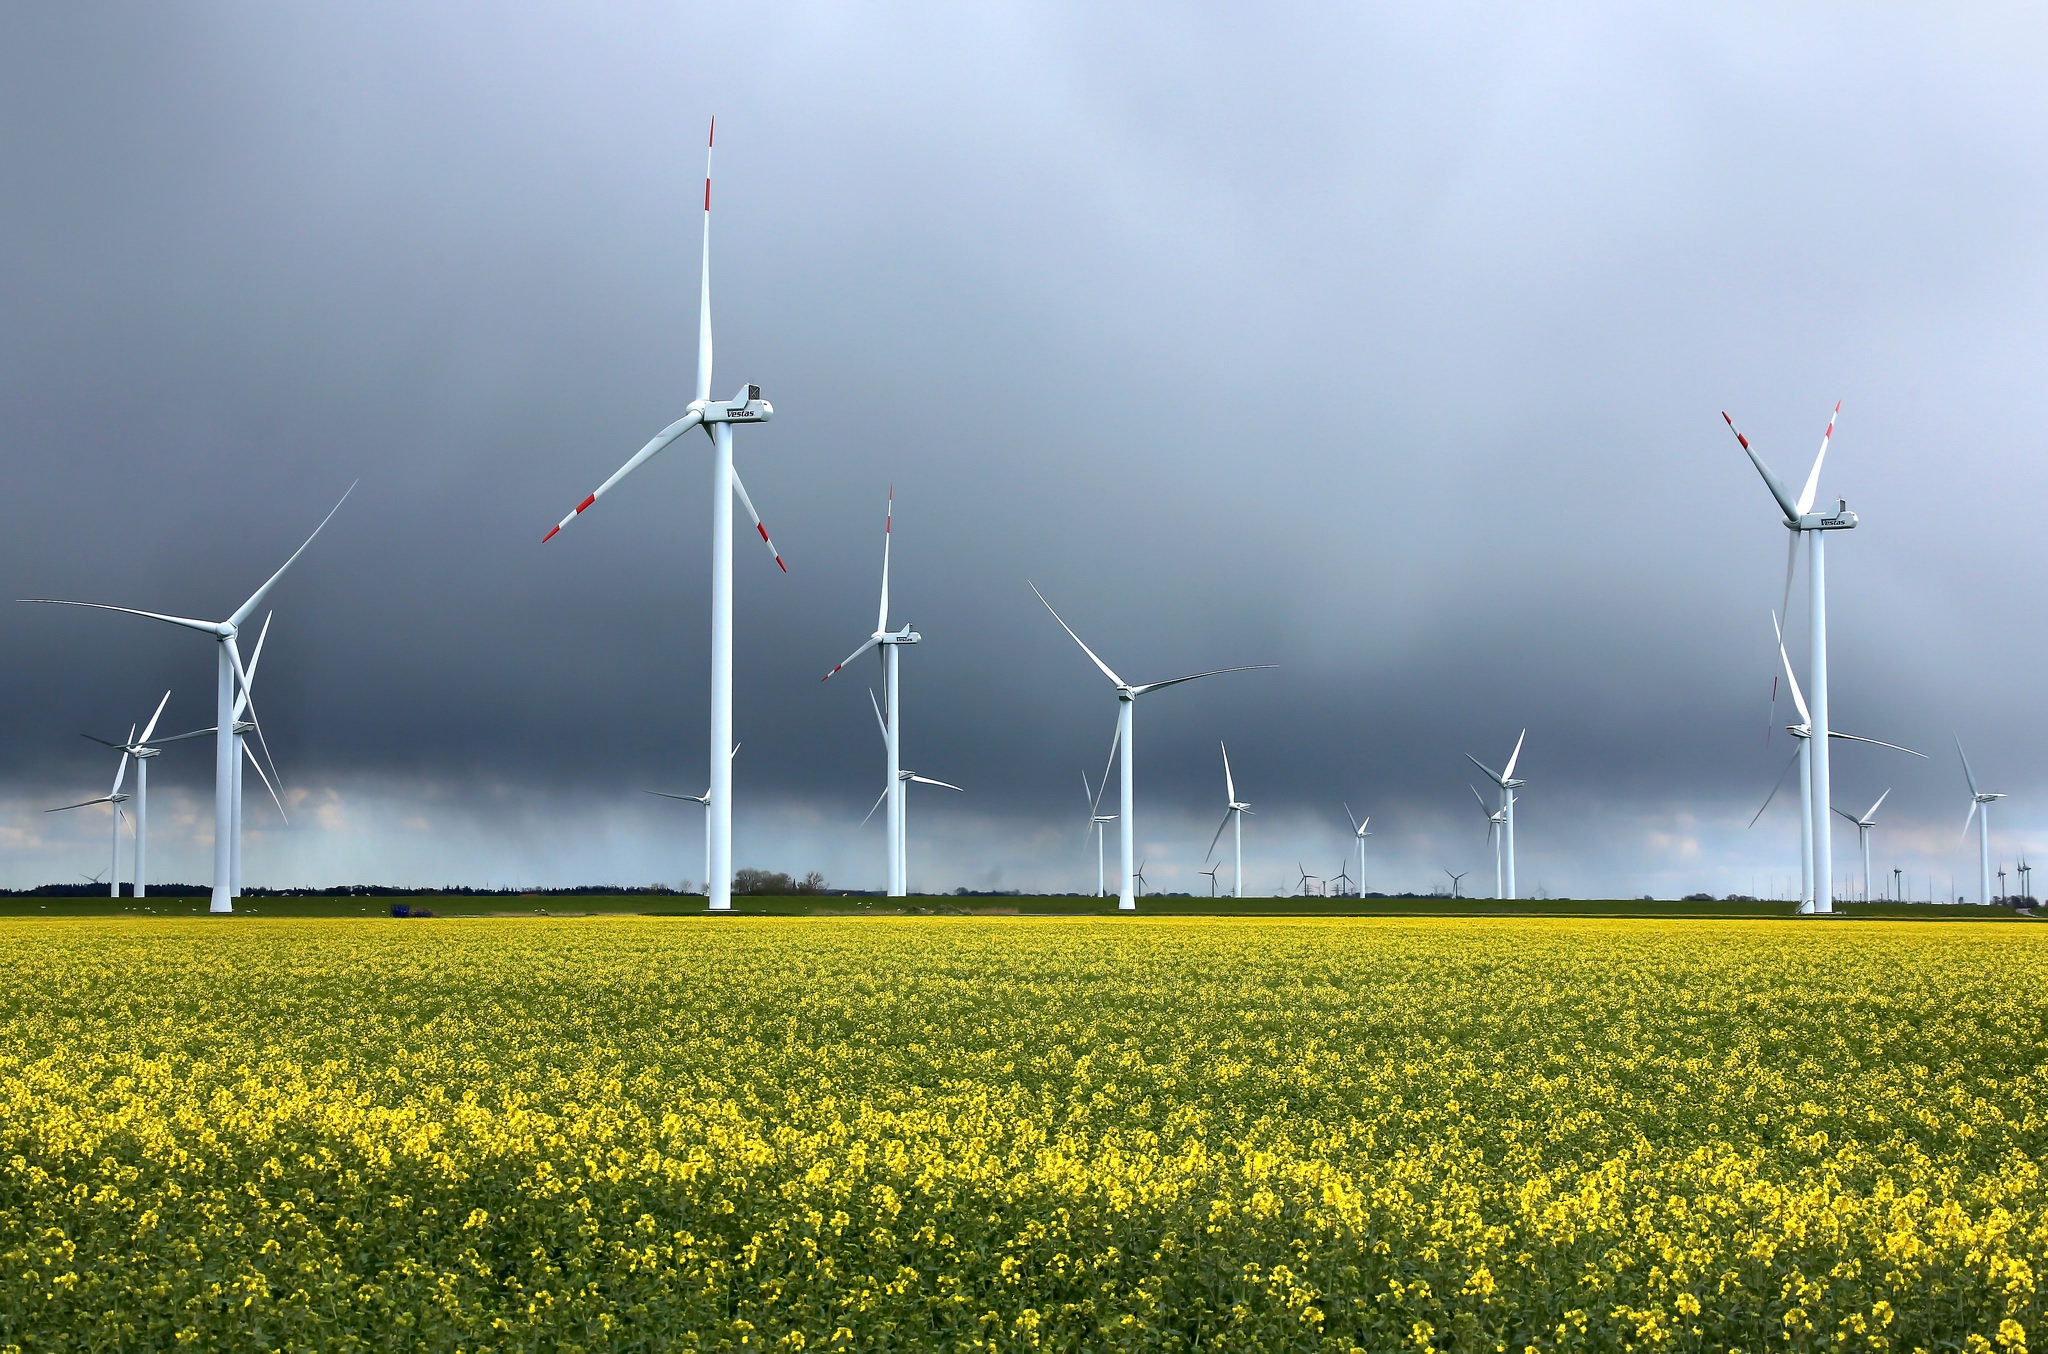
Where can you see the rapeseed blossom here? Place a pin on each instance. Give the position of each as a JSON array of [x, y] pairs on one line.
[[1482, 1134]]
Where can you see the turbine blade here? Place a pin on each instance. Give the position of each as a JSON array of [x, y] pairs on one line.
[[1967, 820], [121, 772], [872, 641], [1482, 801], [1496, 777], [888, 529], [83, 803], [151, 727], [880, 718], [103, 742], [249, 702], [210, 627], [1196, 677], [742, 490], [1351, 817], [1217, 838], [704, 279], [927, 780], [694, 799], [1101, 786], [256, 656], [248, 608], [1968, 774], [1776, 786], [267, 785], [1858, 738], [1791, 563], [1813, 476], [1798, 700], [876, 805], [639, 458], [1771, 482], [1515, 756], [1076, 638], [1229, 785], [181, 737], [1874, 807], [1850, 816]]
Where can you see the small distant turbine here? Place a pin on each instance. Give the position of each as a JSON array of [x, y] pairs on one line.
[[1211, 872], [143, 753], [1494, 819], [1508, 785], [1233, 815], [1126, 696], [113, 799], [1863, 826], [1096, 823], [1359, 834], [705, 800], [1455, 877], [1980, 808]]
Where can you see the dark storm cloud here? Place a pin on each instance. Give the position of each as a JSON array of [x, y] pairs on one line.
[[1387, 347]]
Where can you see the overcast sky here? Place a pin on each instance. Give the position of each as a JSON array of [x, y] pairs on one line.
[[1385, 344]]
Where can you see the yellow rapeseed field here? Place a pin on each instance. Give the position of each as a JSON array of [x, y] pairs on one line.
[[1021, 1134]]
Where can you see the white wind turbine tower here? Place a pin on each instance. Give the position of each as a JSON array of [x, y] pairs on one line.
[[1127, 695], [141, 750], [1508, 785], [888, 642], [1863, 826], [229, 673], [1810, 901], [717, 420], [1980, 809], [1803, 522], [1359, 834], [1233, 815], [1097, 821], [113, 799], [1494, 819]]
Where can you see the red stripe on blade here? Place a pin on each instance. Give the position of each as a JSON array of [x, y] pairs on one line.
[[764, 536], [549, 537], [586, 503]]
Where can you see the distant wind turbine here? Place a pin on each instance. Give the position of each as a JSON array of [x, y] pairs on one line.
[[1494, 819], [705, 800], [230, 672], [1803, 522], [1863, 826], [718, 419], [1127, 695], [1096, 823], [1980, 809], [888, 642], [113, 799], [1233, 815], [138, 748], [1455, 877], [1508, 785], [1359, 834]]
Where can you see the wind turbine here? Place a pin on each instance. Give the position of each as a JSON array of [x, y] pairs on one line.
[[1303, 882], [1494, 819], [1232, 815], [1813, 901], [717, 419], [888, 642], [1455, 877], [903, 780], [1211, 872], [1802, 521], [1138, 876], [113, 799], [230, 672], [1979, 800], [1341, 879], [705, 800], [1359, 834], [142, 752], [1508, 785], [1863, 826], [1126, 696], [1096, 823]]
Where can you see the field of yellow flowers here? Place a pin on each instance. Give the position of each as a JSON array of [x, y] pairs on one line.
[[1002, 1133]]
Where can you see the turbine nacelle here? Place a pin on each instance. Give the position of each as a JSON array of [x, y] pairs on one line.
[[746, 407]]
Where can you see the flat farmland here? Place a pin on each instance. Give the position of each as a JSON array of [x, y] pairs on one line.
[[1464, 1133]]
